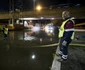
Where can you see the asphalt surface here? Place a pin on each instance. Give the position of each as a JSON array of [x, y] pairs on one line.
[[76, 60]]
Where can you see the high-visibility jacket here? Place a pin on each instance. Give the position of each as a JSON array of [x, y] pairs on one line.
[[6, 31], [62, 30]]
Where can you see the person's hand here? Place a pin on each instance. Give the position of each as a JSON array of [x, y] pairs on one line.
[[64, 43]]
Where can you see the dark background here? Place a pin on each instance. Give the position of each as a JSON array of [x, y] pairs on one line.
[[28, 4]]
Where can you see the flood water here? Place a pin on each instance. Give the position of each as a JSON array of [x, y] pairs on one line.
[[19, 51], [27, 35]]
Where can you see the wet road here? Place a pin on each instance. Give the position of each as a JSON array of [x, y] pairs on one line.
[[19, 51]]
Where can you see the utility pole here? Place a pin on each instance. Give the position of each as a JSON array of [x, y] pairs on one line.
[[19, 10], [11, 5], [11, 11], [15, 10], [19, 7], [15, 6]]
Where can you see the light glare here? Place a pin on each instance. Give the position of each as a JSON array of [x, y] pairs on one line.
[[33, 56]]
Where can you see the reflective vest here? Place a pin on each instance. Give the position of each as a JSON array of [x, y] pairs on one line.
[[62, 30], [6, 31]]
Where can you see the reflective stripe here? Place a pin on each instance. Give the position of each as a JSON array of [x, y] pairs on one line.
[[72, 37], [67, 30]]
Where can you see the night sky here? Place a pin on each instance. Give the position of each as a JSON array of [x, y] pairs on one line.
[[28, 4]]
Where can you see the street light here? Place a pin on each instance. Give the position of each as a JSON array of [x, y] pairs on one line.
[[38, 8]]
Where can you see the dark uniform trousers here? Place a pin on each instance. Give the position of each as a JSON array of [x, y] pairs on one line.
[[63, 45]]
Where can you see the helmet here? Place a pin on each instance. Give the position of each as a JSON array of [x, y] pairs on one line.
[[65, 14]]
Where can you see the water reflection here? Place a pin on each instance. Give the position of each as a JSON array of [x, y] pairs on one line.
[[28, 36], [31, 35], [33, 56], [14, 58], [11, 35]]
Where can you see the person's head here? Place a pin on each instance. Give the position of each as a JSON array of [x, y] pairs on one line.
[[65, 15]]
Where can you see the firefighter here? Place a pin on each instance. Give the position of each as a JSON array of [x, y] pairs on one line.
[[66, 35], [5, 32]]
